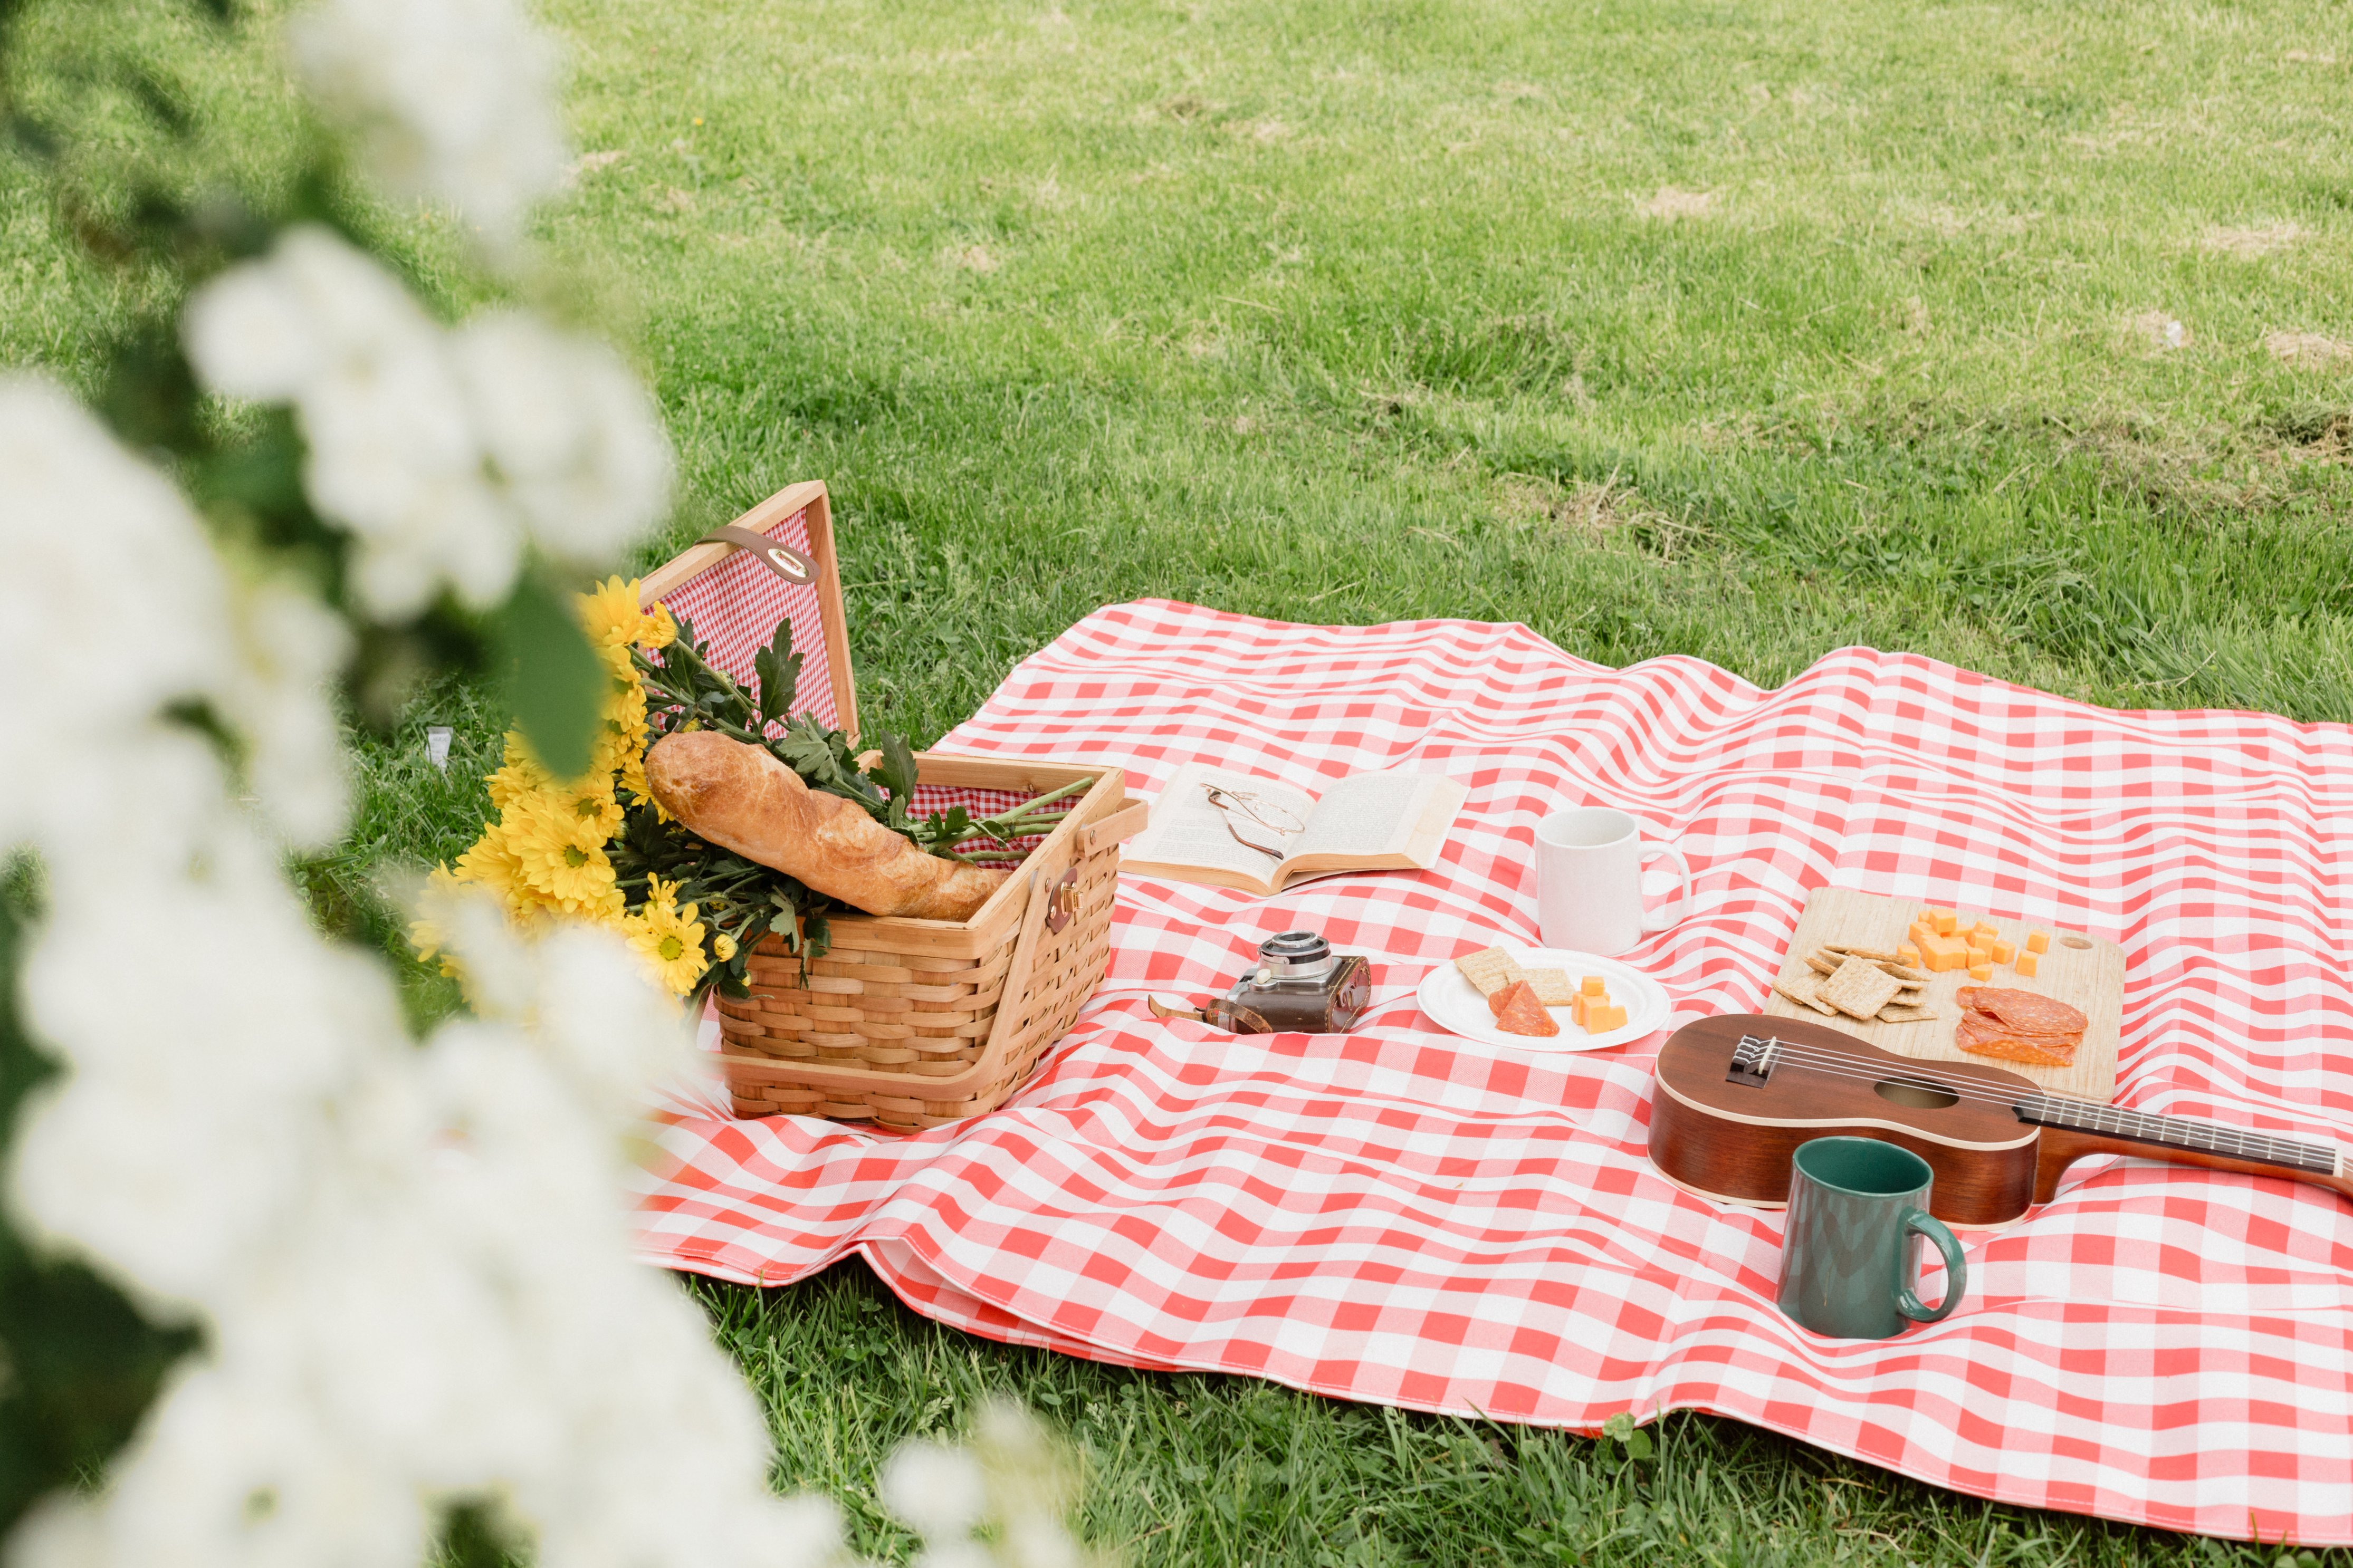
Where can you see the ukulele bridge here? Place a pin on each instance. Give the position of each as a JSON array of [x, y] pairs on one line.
[[1753, 1060]]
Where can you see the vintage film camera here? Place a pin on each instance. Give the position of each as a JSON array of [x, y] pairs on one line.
[[1298, 985]]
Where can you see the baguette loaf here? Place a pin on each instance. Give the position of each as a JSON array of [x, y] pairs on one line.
[[742, 798]]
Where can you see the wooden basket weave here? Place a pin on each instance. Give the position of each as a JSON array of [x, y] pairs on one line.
[[906, 1023]]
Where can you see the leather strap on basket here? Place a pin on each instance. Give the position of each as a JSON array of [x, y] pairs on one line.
[[782, 559]]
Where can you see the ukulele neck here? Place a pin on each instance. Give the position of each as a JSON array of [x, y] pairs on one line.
[[2173, 1135]]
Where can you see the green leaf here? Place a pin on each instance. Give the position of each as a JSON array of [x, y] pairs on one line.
[[897, 770], [555, 681], [779, 669]]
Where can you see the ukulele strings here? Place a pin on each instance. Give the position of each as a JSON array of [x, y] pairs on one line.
[[2178, 1132], [1843, 1064]]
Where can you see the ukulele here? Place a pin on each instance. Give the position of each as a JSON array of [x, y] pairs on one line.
[[1737, 1094]]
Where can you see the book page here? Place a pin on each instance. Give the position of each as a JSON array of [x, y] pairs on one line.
[[1369, 814], [1187, 829]]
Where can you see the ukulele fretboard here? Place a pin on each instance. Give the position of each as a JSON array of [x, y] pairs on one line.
[[2173, 1132]]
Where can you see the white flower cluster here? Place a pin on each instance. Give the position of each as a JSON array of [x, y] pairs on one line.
[[999, 1504], [410, 1262], [450, 100], [442, 451], [107, 547]]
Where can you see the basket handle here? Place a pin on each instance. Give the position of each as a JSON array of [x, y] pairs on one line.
[[1123, 824], [782, 559], [1043, 900]]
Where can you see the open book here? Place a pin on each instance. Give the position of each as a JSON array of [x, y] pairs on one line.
[[1231, 829]]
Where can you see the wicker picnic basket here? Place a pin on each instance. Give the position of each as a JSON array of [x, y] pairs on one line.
[[906, 1023]]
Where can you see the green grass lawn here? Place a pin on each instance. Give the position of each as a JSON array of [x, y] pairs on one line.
[[2020, 334]]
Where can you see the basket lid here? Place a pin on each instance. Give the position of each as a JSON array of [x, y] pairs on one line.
[[734, 595]]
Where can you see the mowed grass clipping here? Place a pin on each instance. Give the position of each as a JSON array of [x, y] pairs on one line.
[[2017, 334]]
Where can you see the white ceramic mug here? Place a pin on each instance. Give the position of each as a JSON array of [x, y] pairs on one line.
[[1590, 880]]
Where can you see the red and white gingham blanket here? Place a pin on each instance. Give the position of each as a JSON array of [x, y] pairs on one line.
[[1399, 1216]]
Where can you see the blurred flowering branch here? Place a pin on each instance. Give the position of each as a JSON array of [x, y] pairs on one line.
[[280, 1283], [395, 1273]]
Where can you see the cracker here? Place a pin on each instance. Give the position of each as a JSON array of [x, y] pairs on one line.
[[1553, 987], [1895, 1014], [1801, 990], [1859, 988], [1490, 969], [1831, 954]]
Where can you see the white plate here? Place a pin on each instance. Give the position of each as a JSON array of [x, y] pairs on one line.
[[1455, 1004]]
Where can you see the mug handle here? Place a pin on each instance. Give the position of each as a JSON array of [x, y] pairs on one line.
[[1682, 894], [1956, 1270]]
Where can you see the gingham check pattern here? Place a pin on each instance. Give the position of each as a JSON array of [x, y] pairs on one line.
[[734, 608], [1398, 1216]]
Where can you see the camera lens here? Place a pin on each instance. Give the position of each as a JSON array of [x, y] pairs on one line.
[[1295, 947]]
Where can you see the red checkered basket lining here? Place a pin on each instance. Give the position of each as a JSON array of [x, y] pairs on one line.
[[1399, 1216], [736, 605]]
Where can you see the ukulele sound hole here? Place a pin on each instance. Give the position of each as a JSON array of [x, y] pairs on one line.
[[1917, 1096]]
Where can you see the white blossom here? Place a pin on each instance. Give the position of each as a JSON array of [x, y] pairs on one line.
[[442, 452], [1013, 1477], [570, 430], [450, 100], [290, 649], [123, 573], [936, 1490], [410, 1262], [252, 335]]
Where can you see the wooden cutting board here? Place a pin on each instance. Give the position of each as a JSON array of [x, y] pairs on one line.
[[2080, 970]]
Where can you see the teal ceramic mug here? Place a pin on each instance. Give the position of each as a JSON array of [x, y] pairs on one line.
[[1851, 1251]]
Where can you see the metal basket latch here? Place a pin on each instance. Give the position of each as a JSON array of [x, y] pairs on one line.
[[1063, 901]]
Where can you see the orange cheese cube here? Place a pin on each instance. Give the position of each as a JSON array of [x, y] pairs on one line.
[[1979, 942], [2026, 964], [1945, 921], [1593, 986], [1907, 953], [1601, 1017], [2037, 941], [1938, 953], [1577, 1006], [1981, 972], [1988, 927], [2003, 952]]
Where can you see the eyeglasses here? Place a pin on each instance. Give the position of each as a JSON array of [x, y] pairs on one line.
[[1243, 808]]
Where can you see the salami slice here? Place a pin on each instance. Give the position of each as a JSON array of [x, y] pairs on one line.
[[2026, 1011], [1982, 1036], [1517, 1011]]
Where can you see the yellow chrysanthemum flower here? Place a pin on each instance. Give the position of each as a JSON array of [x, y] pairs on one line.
[[594, 805], [610, 614], [492, 864], [670, 938], [544, 853], [560, 856], [722, 947], [633, 779], [519, 773]]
